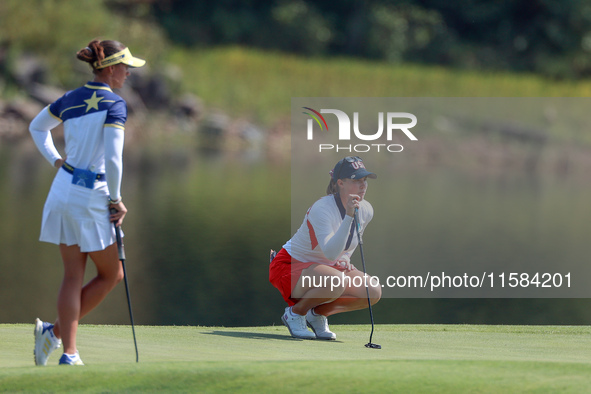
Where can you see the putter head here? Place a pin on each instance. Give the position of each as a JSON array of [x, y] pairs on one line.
[[373, 345]]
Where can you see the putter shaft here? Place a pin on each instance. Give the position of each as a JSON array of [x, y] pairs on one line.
[[121, 251], [358, 227]]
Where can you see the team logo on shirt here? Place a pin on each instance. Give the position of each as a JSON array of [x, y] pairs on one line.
[[93, 102], [393, 124]]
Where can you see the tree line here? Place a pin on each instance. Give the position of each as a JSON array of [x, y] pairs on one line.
[[548, 37]]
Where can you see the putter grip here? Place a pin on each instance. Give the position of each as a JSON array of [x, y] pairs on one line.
[[120, 246], [357, 226]]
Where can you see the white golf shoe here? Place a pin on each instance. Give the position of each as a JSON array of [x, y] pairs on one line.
[[45, 342], [296, 324], [319, 324]]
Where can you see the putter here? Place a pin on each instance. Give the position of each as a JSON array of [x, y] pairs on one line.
[[370, 344], [121, 249]]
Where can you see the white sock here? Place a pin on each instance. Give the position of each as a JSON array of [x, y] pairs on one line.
[[292, 312]]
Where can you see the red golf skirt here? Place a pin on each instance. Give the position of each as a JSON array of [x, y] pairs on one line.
[[284, 273]]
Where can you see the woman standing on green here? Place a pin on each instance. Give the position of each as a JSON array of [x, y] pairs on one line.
[[87, 185]]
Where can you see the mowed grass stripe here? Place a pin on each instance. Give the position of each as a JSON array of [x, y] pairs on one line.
[[416, 376], [417, 358]]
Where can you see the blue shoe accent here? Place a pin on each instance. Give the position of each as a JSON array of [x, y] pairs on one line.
[[47, 326], [70, 360]]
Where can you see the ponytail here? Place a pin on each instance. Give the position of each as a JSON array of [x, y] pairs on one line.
[[96, 51], [332, 187]]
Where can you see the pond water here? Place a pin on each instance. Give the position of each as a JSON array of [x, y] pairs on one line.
[[200, 226]]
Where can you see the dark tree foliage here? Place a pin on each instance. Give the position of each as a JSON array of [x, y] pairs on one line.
[[551, 37]]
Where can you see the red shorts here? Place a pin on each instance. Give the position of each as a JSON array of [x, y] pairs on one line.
[[284, 273]]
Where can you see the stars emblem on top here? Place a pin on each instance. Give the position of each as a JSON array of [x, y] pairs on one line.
[[93, 102]]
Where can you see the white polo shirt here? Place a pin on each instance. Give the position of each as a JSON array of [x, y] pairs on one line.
[[327, 234]]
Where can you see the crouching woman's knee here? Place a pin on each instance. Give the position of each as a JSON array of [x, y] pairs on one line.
[[120, 275], [375, 292]]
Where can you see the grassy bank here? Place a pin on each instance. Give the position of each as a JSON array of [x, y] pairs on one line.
[[414, 358], [260, 84]]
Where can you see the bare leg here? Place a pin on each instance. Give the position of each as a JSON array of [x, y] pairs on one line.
[[75, 302], [109, 274], [354, 297], [350, 296], [68, 301]]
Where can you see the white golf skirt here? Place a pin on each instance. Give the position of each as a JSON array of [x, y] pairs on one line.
[[76, 215]]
